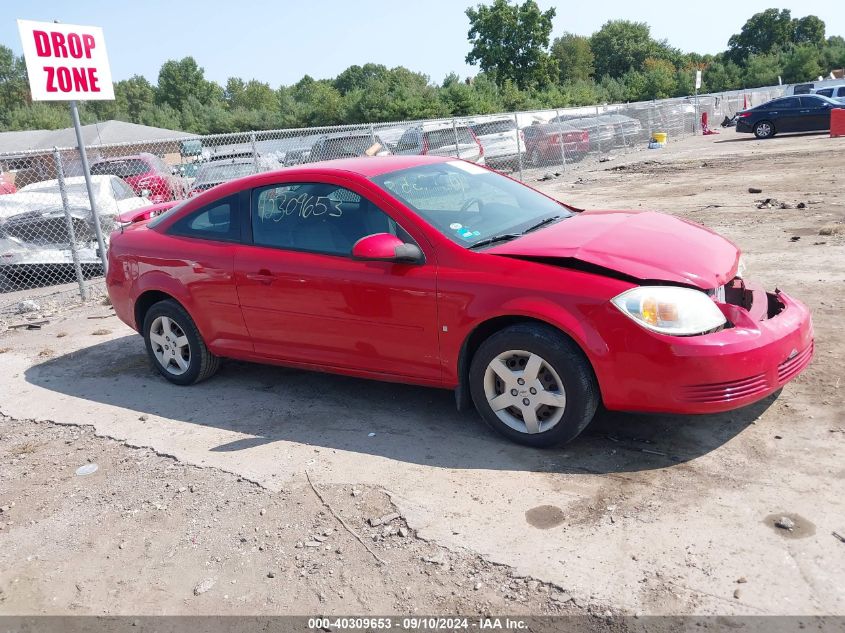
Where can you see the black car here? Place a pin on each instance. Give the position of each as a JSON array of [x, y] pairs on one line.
[[804, 113]]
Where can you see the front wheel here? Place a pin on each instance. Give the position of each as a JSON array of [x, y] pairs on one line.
[[533, 385], [175, 346], [764, 129]]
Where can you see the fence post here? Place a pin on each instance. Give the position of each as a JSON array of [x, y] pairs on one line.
[[650, 121], [598, 131], [254, 153], [455, 132], [560, 136], [518, 145], [86, 171], [77, 267], [372, 134]]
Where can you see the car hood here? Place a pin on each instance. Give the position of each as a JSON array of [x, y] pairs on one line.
[[643, 245]]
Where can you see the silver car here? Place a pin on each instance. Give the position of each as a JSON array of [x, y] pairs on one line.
[[501, 140], [441, 139]]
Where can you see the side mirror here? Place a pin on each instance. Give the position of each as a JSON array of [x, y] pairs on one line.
[[386, 248]]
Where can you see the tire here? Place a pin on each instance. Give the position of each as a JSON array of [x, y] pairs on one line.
[[764, 129], [536, 159], [170, 333], [564, 379]]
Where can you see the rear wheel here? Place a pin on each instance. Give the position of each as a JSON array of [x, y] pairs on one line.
[[175, 346], [764, 129], [536, 159], [533, 385]]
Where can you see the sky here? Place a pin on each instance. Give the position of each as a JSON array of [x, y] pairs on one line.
[[279, 42]]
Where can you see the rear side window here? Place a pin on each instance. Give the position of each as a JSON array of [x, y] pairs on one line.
[[840, 92], [217, 221], [788, 102], [827, 92]]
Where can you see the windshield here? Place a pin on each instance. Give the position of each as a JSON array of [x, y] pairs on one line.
[[123, 168], [470, 204], [219, 172]]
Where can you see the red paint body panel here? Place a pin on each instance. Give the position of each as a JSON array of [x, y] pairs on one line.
[[409, 322], [642, 244]]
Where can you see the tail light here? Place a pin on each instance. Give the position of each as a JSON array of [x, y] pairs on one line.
[[585, 136], [522, 137], [555, 138], [425, 144], [744, 115]]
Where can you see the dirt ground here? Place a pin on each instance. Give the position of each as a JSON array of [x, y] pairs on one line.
[[256, 492]]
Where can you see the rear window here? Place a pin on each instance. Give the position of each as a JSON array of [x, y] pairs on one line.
[[349, 146], [494, 127], [123, 168], [445, 137], [218, 172]]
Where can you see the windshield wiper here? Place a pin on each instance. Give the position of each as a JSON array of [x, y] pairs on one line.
[[511, 236], [496, 238], [541, 223]]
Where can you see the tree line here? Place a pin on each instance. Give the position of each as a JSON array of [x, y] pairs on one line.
[[521, 68]]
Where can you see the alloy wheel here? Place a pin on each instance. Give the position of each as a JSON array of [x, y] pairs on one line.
[[524, 391], [170, 345]]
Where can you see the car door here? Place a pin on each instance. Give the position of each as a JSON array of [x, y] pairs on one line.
[[306, 300], [815, 112], [200, 257], [785, 114]]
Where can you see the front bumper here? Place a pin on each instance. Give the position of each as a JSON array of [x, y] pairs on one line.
[[710, 373]]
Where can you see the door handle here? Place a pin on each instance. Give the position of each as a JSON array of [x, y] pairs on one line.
[[263, 276], [805, 112]]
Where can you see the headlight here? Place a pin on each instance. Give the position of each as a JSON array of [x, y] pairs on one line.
[[671, 310], [740, 267]]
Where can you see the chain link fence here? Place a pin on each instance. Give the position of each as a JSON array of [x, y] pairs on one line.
[[48, 237]]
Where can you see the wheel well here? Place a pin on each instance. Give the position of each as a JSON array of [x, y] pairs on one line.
[[480, 334], [146, 301]]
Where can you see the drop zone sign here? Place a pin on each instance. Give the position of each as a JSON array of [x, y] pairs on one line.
[[66, 62]]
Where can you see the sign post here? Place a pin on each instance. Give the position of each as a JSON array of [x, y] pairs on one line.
[[697, 109], [66, 62]]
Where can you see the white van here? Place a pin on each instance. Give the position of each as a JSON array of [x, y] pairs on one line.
[[810, 87], [834, 92]]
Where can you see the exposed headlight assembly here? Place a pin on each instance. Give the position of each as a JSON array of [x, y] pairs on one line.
[[671, 310]]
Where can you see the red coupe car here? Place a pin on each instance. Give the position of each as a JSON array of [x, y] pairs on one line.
[[439, 272]]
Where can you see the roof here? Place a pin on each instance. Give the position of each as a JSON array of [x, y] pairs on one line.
[[105, 133], [368, 166]]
